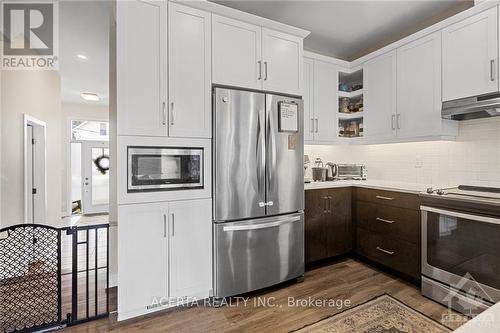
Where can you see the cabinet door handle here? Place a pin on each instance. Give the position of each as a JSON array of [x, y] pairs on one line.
[[164, 225], [384, 220], [385, 251], [398, 121], [393, 118], [330, 204], [492, 69], [316, 125], [383, 198], [164, 114], [324, 205], [265, 70], [172, 113], [173, 224], [312, 126], [260, 70]]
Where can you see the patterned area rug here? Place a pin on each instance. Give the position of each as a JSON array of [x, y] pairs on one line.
[[383, 314]]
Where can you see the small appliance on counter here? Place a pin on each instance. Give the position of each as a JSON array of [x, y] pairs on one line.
[[348, 171], [330, 171], [319, 171], [306, 165]]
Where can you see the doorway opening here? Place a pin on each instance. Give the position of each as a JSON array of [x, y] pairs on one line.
[[35, 196], [89, 165]]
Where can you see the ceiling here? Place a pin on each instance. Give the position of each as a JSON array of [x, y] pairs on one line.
[[350, 29], [84, 29]]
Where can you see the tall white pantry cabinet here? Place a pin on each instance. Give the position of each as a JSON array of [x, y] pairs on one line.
[[163, 99]]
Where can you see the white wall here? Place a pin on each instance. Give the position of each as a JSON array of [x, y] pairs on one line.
[[473, 159], [75, 111], [36, 93]]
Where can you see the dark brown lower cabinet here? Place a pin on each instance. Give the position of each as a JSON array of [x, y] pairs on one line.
[[328, 223]]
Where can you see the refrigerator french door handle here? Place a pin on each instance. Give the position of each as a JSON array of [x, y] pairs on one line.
[[260, 153], [272, 147]]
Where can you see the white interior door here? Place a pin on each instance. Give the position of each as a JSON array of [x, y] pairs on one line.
[[29, 174], [95, 177]]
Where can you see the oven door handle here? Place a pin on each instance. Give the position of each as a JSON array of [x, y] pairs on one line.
[[478, 218]]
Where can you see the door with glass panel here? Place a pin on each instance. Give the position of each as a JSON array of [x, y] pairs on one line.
[[95, 177]]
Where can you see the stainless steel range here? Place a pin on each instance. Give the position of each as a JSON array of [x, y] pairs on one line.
[[461, 247]]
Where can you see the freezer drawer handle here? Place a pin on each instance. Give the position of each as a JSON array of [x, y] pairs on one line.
[[264, 204], [261, 225]]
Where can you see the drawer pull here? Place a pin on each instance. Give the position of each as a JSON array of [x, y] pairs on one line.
[[383, 198], [385, 251], [384, 220]]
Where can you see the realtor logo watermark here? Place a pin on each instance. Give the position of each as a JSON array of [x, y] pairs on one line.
[[29, 35]]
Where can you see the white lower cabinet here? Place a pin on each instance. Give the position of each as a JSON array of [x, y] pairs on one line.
[[142, 258], [164, 253], [190, 248]]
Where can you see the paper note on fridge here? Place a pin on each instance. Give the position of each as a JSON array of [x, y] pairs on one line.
[[288, 117]]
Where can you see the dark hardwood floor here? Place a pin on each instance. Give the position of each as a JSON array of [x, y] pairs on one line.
[[345, 280]]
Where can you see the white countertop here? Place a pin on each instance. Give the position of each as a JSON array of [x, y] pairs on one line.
[[375, 184], [486, 322]]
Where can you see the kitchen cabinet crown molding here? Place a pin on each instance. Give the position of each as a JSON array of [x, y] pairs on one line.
[[215, 8]]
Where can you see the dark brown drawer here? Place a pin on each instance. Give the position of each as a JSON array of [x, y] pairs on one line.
[[389, 198], [397, 254], [398, 223]]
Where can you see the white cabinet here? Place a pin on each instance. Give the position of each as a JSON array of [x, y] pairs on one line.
[[470, 56], [164, 252], [308, 99], [419, 87], [249, 56], [320, 101], [190, 248], [379, 75], [142, 61], [142, 257], [141, 67], [326, 82], [189, 80], [282, 61], [236, 53]]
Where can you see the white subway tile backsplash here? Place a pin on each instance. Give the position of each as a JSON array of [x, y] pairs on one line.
[[474, 158]]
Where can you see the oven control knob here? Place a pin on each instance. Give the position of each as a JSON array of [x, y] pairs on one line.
[[430, 190], [440, 192]]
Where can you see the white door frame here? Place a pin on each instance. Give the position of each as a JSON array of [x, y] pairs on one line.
[[40, 160]]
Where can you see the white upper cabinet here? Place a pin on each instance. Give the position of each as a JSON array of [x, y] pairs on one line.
[[142, 257], [236, 53], [379, 76], [282, 57], [326, 82], [418, 88], [190, 248], [470, 56], [308, 99], [189, 34], [141, 68], [249, 56]]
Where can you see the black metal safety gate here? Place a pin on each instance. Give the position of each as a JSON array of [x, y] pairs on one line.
[[52, 277]]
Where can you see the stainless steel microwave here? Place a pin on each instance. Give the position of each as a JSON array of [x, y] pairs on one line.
[[164, 168]]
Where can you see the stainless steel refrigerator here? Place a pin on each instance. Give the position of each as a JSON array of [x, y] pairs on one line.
[[258, 190]]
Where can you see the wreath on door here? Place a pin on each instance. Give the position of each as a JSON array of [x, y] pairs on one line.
[[102, 163]]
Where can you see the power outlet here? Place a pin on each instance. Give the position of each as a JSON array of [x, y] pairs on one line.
[[419, 163]]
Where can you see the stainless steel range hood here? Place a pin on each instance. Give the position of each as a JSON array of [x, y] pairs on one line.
[[483, 106]]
